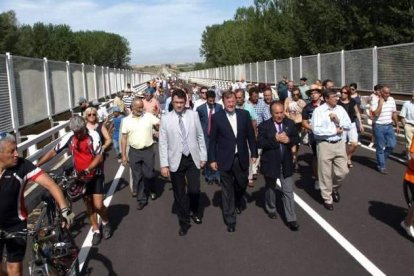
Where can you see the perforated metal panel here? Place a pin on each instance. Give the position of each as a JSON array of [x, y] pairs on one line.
[[396, 67], [247, 66], [358, 68], [296, 69], [100, 82], [5, 114], [30, 90], [331, 67], [270, 72], [282, 68], [310, 68], [262, 76], [76, 79], [254, 72], [58, 86]]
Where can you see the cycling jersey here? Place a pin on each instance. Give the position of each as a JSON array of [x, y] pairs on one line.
[[12, 185], [83, 151]]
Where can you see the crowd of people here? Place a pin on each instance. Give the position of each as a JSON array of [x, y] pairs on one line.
[[232, 135]]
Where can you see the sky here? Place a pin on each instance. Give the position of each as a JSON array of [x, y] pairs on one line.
[[158, 31]]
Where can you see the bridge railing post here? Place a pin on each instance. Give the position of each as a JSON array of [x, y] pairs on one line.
[[342, 68], [12, 96]]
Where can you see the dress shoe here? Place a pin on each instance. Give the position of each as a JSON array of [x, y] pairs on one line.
[[153, 196], [141, 205], [238, 210], [328, 206], [272, 215], [134, 194], [293, 225], [196, 219], [231, 228], [336, 196], [183, 230]]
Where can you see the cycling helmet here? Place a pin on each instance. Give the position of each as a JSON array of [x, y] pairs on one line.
[[76, 189]]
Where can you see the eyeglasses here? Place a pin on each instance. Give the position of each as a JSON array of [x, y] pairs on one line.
[[92, 114]]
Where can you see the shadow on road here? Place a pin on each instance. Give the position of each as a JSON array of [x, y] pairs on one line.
[[388, 214], [106, 262], [116, 214]]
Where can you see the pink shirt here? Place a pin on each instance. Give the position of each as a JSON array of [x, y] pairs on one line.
[[152, 106]]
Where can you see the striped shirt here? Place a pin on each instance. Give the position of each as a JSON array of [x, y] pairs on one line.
[[388, 108]]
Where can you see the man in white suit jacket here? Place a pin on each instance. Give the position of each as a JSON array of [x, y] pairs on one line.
[[182, 153]]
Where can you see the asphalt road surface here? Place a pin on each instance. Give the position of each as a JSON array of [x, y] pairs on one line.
[[363, 235]]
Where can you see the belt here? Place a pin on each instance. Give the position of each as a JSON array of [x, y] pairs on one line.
[[331, 142], [142, 148]]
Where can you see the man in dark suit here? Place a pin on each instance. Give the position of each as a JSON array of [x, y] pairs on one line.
[[231, 137], [205, 113], [276, 137]]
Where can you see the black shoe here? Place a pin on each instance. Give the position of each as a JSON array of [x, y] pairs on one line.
[[196, 219], [96, 238], [141, 205], [293, 225], [153, 196], [183, 230], [328, 206], [231, 228], [272, 215], [210, 182], [335, 196], [238, 210]]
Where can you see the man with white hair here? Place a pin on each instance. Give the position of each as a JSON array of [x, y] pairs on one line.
[[15, 173]]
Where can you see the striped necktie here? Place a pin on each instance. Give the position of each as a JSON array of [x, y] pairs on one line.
[[184, 142]]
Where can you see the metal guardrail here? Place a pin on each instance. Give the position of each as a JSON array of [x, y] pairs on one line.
[[391, 65]]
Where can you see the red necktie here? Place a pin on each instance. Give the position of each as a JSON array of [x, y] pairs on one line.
[[210, 113]]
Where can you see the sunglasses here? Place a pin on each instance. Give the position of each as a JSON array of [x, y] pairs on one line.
[[296, 94], [344, 92], [92, 114]]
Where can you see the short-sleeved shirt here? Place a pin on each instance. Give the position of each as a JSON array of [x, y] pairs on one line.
[[388, 108], [139, 130], [83, 151], [407, 112], [249, 108], [12, 184], [409, 173], [262, 111], [128, 101]]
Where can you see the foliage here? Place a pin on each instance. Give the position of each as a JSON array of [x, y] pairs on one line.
[[59, 42], [278, 29]]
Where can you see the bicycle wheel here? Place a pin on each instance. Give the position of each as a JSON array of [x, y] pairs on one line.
[[408, 196]]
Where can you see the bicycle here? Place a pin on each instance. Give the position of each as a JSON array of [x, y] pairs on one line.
[[54, 251]]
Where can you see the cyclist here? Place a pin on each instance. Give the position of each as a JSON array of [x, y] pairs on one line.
[[86, 150], [15, 172]]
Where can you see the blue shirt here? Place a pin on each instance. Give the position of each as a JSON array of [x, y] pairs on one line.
[[262, 111]]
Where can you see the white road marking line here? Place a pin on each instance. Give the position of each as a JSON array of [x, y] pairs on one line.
[[87, 244], [352, 250]]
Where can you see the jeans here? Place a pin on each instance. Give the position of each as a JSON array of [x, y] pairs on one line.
[[115, 143], [384, 143]]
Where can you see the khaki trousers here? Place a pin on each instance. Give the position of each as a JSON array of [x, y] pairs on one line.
[[408, 132], [332, 167]]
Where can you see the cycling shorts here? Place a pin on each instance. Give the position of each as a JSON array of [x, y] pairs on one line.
[[15, 248]]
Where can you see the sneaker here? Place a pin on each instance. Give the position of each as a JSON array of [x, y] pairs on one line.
[[106, 231], [96, 239], [408, 229], [317, 187]]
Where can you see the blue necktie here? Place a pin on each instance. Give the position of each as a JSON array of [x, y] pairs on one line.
[[186, 149], [280, 130]]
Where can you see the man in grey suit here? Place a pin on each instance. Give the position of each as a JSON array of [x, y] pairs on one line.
[[182, 154]]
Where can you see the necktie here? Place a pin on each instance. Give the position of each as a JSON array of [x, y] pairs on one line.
[[186, 149], [280, 130], [210, 113]]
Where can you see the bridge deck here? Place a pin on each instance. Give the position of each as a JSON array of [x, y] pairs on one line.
[[147, 243]]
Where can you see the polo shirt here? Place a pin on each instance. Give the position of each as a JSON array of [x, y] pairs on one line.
[[249, 108], [139, 130], [407, 112], [388, 107]]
